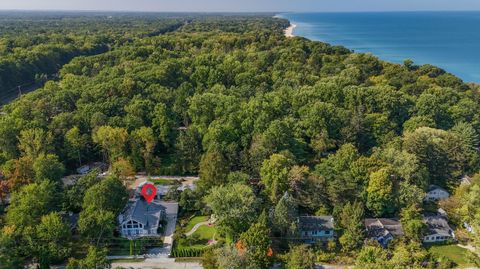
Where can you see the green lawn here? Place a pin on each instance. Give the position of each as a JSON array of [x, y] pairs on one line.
[[206, 232], [162, 181], [195, 220], [452, 252], [121, 246]]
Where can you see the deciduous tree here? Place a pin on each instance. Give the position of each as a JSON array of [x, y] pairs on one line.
[[235, 207], [274, 175], [380, 200]]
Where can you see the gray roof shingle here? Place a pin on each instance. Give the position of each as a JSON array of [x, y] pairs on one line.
[[438, 225], [315, 223], [143, 212], [381, 227]]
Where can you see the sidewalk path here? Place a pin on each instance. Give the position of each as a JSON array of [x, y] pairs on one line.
[[195, 228]]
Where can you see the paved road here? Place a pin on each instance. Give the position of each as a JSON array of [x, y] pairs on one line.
[[332, 266], [158, 263]]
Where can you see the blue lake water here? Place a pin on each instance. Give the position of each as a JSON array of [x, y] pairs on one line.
[[450, 40]]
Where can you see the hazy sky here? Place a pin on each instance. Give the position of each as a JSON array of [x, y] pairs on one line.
[[242, 5]]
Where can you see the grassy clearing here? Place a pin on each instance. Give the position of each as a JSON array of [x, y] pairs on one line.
[[205, 232], [453, 252], [162, 181], [188, 259], [199, 239], [194, 221]]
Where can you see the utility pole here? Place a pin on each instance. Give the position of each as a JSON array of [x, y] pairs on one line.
[[19, 91]]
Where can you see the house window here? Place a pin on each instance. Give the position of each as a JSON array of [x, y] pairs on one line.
[[327, 232]]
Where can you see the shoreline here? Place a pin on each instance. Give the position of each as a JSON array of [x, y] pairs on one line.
[[289, 31]]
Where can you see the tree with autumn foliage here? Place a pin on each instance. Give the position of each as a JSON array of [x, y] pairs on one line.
[[257, 244], [4, 191]]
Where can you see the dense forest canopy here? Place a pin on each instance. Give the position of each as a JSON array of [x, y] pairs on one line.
[[34, 46], [233, 100]]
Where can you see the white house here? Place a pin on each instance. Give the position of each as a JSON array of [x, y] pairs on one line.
[[436, 193], [438, 229]]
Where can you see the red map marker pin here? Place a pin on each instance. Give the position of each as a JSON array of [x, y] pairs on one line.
[[149, 191]]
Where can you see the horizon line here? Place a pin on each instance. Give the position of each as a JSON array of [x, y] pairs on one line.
[[237, 12]]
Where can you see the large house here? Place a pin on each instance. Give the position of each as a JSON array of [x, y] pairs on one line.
[[438, 229], [436, 193], [383, 230], [316, 228], [140, 218]]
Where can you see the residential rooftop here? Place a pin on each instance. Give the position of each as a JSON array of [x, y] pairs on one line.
[[148, 214], [438, 225], [315, 223], [377, 227]]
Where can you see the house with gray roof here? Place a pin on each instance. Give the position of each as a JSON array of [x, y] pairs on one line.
[[436, 193], [438, 229], [383, 230], [141, 218], [316, 228]]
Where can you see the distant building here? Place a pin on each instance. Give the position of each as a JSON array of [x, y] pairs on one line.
[[383, 230], [316, 228], [436, 193], [442, 212], [468, 227], [466, 180], [438, 229], [84, 169]]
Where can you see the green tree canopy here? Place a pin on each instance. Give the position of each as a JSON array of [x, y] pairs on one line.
[[31, 202], [235, 207], [274, 175], [48, 167], [381, 200]]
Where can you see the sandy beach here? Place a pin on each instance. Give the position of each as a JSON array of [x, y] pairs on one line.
[[289, 30]]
